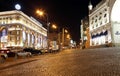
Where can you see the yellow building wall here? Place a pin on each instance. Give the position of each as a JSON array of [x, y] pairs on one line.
[[87, 44]]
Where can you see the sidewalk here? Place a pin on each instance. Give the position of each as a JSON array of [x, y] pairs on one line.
[[10, 62]]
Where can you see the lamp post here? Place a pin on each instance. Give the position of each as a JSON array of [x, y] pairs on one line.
[[41, 13]]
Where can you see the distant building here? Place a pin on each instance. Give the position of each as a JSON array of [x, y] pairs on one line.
[[60, 36], [104, 23], [85, 32], [81, 32], [19, 30]]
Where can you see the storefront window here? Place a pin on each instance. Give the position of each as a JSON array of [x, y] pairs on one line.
[[24, 36], [4, 32]]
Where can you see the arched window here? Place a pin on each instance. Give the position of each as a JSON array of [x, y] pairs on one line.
[[4, 32]]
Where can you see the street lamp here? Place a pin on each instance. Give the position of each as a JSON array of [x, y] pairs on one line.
[[42, 13], [66, 31], [54, 26]]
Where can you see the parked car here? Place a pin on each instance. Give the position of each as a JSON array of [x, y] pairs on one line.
[[3, 57], [33, 51], [8, 52], [44, 51], [23, 54]]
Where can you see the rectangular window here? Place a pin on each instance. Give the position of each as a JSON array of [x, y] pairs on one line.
[[11, 38], [18, 38], [18, 32]]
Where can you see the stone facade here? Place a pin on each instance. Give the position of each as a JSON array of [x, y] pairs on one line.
[[19, 30], [103, 29]]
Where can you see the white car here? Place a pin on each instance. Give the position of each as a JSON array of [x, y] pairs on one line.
[[24, 54]]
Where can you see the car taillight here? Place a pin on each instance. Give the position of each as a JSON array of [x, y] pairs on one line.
[[2, 51], [8, 51]]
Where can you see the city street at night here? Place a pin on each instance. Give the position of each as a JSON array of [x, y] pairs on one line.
[[88, 62], [60, 38]]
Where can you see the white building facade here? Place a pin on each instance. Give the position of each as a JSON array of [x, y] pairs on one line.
[[104, 23], [19, 30]]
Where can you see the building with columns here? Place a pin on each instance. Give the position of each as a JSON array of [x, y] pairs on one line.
[[104, 23], [19, 30]]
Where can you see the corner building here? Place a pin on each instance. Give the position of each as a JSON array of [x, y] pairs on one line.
[[19, 30], [104, 24]]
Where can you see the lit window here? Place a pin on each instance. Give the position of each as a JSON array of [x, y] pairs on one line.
[[18, 26], [18, 38], [3, 20], [18, 43], [17, 32]]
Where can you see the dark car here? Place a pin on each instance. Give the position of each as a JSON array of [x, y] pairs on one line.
[[8, 52], [32, 50]]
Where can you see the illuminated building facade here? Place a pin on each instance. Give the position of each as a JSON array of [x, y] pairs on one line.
[[104, 23], [19, 30], [85, 33]]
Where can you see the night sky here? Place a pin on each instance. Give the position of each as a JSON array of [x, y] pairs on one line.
[[64, 13]]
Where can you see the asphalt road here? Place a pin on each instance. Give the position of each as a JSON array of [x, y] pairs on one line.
[[89, 62]]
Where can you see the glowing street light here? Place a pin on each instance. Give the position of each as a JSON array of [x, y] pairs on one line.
[[66, 31], [54, 26], [39, 12]]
